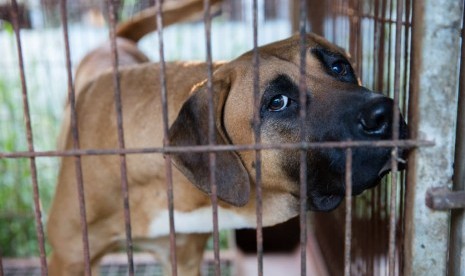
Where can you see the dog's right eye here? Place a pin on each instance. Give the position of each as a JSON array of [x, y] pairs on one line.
[[339, 68], [278, 103]]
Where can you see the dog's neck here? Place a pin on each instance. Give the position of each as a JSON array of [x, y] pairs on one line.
[[276, 209]]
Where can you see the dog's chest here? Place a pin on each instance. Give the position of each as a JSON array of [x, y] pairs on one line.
[[198, 221]]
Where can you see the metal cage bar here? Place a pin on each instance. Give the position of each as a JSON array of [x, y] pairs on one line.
[[302, 117], [457, 248], [166, 142], [374, 34], [348, 216], [120, 129], [211, 135], [408, 143], [76, 144], [395, 136], [432, 115], [30, 142], [257, 133], [354, 12]]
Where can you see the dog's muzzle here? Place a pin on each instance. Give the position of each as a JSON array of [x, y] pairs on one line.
[[373, 121]]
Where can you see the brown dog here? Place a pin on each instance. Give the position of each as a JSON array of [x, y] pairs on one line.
[[338, 108]]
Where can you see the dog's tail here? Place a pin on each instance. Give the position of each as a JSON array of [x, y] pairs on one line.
[[173, 12]]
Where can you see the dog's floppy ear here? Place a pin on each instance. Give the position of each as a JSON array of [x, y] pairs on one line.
[[191, 128]]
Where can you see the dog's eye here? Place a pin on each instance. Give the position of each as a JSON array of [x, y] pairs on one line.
[[339, 68], [278, 103]]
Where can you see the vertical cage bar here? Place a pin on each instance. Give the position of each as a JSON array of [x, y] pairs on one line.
[[403, 188], [75, 137], [354, 21], [395, 137], [436, 25], [457, 246], [211, 136], [30, 142], [121, 145], [334, 5], [389, 50], [385, 80], [303, 153], [348, 217], [377, 57], [381, 49], [359, 34], [257, 124], [407, 24], [385, 86], [1, 263], [166, 142]]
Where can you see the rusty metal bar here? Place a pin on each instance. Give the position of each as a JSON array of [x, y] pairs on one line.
[[121, 144], [457, 244], [342, 27], [389, 89], [380, 57], [166, 142], [403, 188], [432, 115], [443, 199], [385, 86], [354, 37], [408, 6], [218, 148], [257, 132], [348, 218], [369, 16], [354, 30], [334, 18], [75, 137], [30, 142], [303, 153], [376, 43], [395, 136], [211, 136], [377, 84]]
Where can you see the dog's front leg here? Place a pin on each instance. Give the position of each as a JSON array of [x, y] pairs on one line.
[[189, 253]]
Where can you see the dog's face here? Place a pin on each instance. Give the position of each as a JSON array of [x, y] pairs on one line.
[[337, 109]]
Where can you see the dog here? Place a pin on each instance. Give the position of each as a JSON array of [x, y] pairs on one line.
[[338, 109]]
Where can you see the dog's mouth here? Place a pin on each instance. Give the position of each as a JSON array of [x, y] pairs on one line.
[[329, 201], [325, 202], [401, 165]]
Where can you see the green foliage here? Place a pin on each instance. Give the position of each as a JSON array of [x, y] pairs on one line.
[[17, 224], [8, 27], [224, 240]]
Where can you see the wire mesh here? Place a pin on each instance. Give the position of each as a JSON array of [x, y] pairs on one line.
[[377, 35]]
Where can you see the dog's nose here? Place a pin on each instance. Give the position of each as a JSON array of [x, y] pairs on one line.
[[375, 118]]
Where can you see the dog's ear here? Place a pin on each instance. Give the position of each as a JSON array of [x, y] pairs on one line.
[[191, 128]]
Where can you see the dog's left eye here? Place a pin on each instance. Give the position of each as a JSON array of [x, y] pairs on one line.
[[339, 68], [278, 103]]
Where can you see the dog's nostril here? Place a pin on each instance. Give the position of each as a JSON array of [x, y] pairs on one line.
[[374, 121], [375, 118]]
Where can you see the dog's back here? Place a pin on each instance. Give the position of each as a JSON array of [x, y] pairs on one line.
[[96, 119]]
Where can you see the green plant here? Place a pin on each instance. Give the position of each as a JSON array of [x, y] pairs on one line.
[[17, 224]]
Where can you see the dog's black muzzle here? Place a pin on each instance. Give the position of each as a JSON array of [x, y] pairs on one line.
[[368, 119]]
